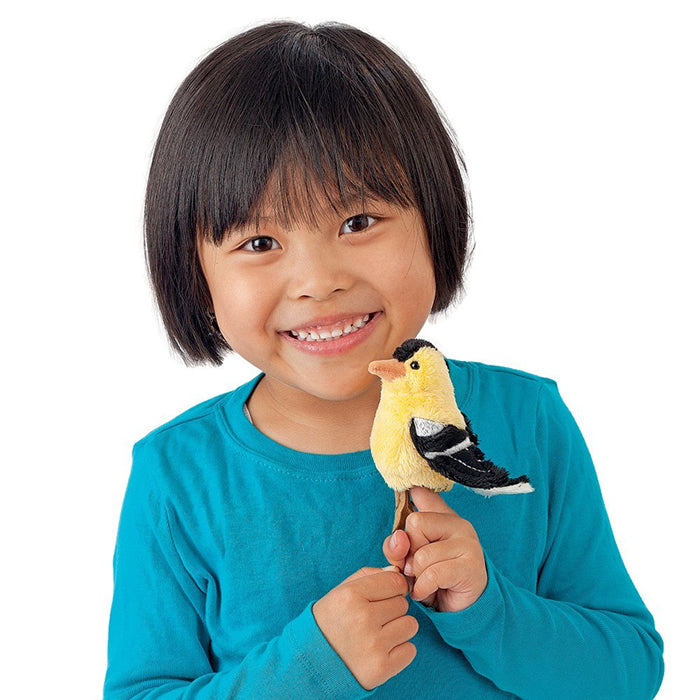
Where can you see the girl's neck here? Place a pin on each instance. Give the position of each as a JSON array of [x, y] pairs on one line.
[[311, 424]]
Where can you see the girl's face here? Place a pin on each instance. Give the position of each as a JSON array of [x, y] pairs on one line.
[[312, 305]]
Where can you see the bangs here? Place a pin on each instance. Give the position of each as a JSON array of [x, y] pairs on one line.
[[296, 130], [300, 189]]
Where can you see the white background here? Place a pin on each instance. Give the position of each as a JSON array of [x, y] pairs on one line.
[[579, 122]]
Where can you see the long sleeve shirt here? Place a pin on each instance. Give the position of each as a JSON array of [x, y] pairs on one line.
[[227, 538]]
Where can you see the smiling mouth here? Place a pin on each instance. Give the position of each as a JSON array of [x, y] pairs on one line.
[[345, 327]]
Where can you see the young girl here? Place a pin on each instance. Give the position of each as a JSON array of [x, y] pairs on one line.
[[306, 208]]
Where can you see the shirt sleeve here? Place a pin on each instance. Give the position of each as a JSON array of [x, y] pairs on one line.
[[584, 632], [158, 642]]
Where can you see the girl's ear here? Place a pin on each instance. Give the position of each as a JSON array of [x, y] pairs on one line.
[[213, 325]]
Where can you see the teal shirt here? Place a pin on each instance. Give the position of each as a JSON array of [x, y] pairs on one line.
[[227, 538]]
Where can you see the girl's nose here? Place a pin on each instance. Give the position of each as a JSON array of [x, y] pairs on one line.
[[317, 274]]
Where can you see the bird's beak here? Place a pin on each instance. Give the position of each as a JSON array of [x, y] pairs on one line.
[[387, 369]]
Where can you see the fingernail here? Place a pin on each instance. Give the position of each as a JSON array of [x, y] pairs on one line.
[[408, 569], [392, 541]]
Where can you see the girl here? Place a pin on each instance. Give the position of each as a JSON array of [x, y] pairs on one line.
[[306, 208]]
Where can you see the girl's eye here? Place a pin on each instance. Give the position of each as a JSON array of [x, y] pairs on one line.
[[261, 244], [357, 223]]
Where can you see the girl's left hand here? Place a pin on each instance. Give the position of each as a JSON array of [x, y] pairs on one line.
[[442, 551]]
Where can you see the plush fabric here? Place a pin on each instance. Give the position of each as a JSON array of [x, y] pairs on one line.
[[227, 538], [421, 438]]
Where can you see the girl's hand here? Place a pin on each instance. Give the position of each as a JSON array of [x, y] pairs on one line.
[[364, 620], [442, 551]]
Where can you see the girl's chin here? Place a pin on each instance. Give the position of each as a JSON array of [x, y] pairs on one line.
[[332, 388]]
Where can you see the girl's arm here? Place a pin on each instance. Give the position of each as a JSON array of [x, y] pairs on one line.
[[584, 632], [158, 643]]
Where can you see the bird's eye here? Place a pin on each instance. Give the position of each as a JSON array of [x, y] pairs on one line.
[[415, 365]]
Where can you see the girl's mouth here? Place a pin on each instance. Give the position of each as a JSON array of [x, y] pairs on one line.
[[333, 338], [340, 329]]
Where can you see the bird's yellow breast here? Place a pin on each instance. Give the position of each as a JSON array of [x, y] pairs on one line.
[[392, 448]]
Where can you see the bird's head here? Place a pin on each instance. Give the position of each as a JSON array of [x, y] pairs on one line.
[[417, 367]]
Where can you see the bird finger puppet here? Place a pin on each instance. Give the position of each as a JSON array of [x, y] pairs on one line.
[[421, 438]]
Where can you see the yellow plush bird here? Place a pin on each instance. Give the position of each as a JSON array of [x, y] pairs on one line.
[[421, 438]]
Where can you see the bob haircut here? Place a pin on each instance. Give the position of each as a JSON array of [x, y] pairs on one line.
[[279, 116]]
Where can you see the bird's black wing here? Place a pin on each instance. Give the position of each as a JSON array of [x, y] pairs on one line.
[[454, 453], [472, 435]]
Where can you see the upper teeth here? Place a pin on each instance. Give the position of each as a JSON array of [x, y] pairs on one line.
[[311, 335]]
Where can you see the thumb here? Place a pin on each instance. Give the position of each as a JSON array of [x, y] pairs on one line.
[[428, 501], [396, 547]]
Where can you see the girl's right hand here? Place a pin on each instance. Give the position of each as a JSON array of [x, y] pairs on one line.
[[364, 619]]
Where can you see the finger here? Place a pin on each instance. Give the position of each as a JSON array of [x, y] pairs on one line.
[[384, 611], [430, 526], [361, 573], [430, 601], [444, 575], [429, 501], [435, 552], [401, 656], [383, 585], [418, 540], [396, 547], [399, 631]]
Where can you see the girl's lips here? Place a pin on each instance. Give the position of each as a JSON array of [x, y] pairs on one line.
[[330, 338]]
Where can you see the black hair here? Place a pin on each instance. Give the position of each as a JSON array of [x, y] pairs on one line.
[[265, 120]]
